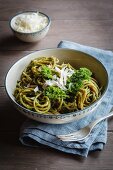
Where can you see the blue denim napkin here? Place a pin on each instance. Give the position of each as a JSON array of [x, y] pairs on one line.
[[33, 133]]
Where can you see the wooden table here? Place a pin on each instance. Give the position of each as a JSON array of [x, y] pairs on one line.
[[83, 21]]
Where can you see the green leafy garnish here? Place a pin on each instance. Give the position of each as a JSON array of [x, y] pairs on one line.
[[83, 74], [46, 72], [75, 82], [54, 92]]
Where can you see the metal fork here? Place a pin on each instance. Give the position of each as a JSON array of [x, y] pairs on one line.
[[83, 133]]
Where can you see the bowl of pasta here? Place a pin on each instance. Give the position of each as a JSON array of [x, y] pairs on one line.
[[56, 85]]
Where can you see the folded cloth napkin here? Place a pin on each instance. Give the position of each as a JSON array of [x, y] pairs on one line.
[[33, 133]]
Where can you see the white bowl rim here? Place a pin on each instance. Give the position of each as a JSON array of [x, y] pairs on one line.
[[63, 114], [28, 33]]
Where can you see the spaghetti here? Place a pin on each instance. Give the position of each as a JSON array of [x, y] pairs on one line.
[[47, 87]]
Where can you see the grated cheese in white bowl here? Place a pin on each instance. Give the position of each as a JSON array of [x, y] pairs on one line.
[[29, 22]]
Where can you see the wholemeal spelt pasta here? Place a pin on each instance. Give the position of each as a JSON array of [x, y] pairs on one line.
[[48, 87]]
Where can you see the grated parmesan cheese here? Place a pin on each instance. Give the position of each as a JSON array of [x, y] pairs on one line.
[[65, 73], [29, 22], [36, 89]]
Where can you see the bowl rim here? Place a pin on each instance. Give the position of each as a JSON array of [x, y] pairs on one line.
[[29, 11], [63, 114]]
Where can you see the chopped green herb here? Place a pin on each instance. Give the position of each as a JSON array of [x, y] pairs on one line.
[[54, 92], [46, 72], [75, 82]]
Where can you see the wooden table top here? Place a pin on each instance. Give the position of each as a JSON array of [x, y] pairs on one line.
[[82, 21]]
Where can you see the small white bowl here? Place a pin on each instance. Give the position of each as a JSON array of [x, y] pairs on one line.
[[77, 59], [32, 36]]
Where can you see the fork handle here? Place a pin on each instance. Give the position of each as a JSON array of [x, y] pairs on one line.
[[94, 123]]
